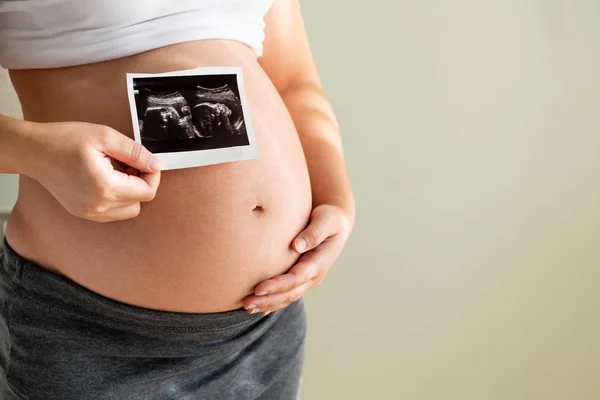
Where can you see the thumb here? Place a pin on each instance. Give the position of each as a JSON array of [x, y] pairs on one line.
[[317, 231], [130, 152]]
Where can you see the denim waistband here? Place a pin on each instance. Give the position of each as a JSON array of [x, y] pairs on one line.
[[48, 287]]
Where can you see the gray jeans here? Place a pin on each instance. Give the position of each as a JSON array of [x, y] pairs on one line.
[[59, 340]]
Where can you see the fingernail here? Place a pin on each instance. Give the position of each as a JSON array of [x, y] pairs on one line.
[[251, 306], [267, 313], [254, 311], [300, 244], [155, 164], [262, 293]]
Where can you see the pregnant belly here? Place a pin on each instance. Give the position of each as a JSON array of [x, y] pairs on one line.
[[211, 234]]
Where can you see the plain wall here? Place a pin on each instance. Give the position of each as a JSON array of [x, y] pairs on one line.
[[472, 137], [9, 105]]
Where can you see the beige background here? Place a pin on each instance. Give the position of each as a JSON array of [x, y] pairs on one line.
[[473, 139], [9, 105]]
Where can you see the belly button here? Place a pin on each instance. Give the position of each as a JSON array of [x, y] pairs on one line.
[[258, 209]]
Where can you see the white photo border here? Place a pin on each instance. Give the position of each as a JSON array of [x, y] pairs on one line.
[[198, 158]]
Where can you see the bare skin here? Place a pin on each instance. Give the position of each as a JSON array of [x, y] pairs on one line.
[[202, 239]]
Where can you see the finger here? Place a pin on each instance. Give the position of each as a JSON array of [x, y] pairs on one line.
[[306, 269], [320, 228], [276, 301], [313, 265], [121, 213], [153, 181], [131, 188], [130, 152]]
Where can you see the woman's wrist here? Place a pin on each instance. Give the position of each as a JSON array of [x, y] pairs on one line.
[[19, 151]]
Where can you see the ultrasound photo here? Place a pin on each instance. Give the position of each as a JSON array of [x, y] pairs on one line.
[[192, 118]]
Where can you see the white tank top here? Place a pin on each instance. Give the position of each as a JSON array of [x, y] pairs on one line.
[[60, 33]]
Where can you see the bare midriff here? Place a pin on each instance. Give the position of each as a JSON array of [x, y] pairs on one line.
[[211, 234]]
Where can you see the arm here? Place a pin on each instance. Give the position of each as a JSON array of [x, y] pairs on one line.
[[289, 63], [75, 169], [13, 137]]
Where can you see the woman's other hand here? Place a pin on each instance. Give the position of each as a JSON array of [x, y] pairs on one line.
[[320, 245], [94, 172]]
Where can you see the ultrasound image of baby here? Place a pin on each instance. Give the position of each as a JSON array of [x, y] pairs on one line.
[[218, 108], [192, 118], [168, 115]]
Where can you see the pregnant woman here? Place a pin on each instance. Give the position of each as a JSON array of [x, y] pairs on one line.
[[129, 283]]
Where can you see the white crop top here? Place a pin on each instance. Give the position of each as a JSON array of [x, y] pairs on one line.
[[60, 33]]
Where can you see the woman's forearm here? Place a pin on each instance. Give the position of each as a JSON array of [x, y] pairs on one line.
[[15, 153], [318, 130]]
